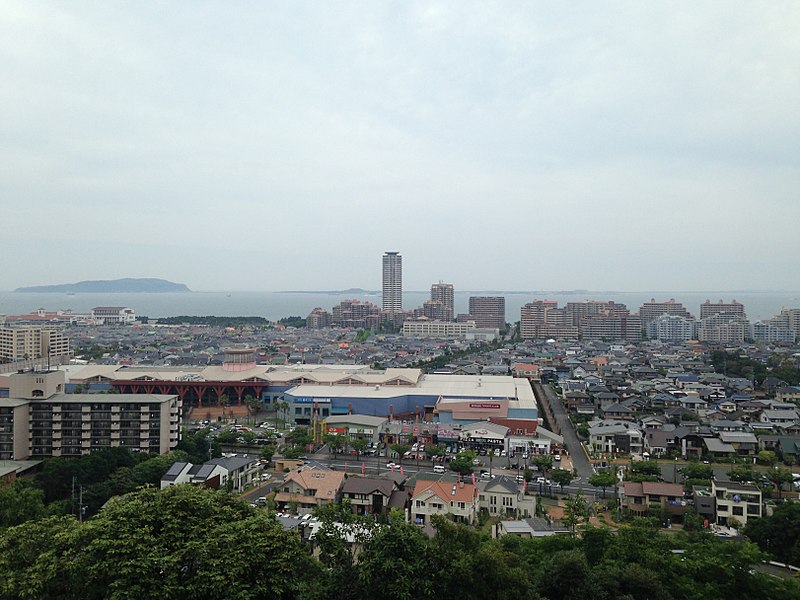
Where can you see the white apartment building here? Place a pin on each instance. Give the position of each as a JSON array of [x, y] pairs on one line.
[[111, 315], [671, 328], [422, 328]]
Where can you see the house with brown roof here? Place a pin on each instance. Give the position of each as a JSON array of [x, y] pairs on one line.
[[309, 488], [457, 500], [640, 497]]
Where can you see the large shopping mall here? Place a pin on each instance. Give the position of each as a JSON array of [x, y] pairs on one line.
[[306, 391]]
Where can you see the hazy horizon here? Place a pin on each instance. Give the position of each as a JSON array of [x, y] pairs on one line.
[[495, 145]]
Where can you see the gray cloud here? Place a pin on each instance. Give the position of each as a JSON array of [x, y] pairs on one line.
[[496, 145]]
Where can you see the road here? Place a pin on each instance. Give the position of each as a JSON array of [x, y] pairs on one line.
[[580, 462]]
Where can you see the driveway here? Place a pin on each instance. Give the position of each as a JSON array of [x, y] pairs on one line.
[[577, 455]]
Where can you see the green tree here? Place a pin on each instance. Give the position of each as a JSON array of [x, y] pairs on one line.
[[339, 539], [396, 563], [333, 441], [20, 502], [603, 479], [562, 477], [300, 437], [543, 462], [181, 542], [432, 450], [267, 452], [645, 470], [694, 470], [576, 510], [779, 534], [767, 457], [742, 474], [253, 404], [778, 478], [469, 566], [359, 445], [400, 450]]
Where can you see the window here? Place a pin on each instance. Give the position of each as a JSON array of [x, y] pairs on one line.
[[738, 511]]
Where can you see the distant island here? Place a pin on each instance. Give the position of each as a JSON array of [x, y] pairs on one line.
[[353, 291], [109, 286]]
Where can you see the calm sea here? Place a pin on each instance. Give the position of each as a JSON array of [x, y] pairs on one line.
[[274, 305]]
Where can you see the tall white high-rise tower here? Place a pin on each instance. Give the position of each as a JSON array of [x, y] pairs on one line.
[[392, 282]]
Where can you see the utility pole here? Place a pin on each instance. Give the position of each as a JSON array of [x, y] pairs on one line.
[[81, 508]]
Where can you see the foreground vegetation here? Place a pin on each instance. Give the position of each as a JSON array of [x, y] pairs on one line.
[[188, 542]]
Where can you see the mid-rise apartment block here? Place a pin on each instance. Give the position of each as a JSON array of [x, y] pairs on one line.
[[709, 309], [39, 420], [443, 293], [650, 310], [671, 328], [318, 318], [356, 314], [488, 311], [23, 343], [724, 328], [590, 320], [768, 333]]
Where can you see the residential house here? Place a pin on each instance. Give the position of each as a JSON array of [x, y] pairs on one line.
[[504, 497], [370, 495], [533, 527], [309, 488], [745, 443], [457, 500], [641, 497], [780, 417], [615, 437], [737, 502]]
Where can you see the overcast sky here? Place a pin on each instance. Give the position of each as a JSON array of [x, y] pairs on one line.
[[268, 146]]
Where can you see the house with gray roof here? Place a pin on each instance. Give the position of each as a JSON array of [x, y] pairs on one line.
[[372, 495], [213, 474], [504, 496], [532, 527]]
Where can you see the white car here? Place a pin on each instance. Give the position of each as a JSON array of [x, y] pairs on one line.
[[543, 480], [391, 465], [414, 448], [497, 451], [475, 461]]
